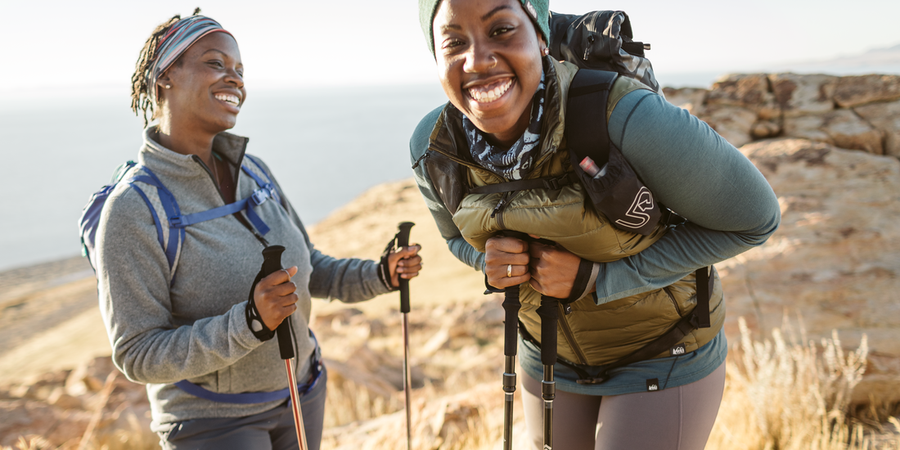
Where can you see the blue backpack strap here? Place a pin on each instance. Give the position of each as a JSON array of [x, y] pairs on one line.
[[266, 191], [89, 220], [259, 181], [175, 221], [172, 245]]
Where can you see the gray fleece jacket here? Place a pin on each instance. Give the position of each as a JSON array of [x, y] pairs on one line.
[[192, 326]]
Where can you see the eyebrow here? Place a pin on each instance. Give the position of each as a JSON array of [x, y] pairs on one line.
[[494, 11], [215, 50], [484, 18]]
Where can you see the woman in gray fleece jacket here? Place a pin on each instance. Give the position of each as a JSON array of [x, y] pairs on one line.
[[185, 321]]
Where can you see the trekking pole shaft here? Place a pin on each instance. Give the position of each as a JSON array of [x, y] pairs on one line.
[[511, 307], [295, 404], [403, 241], [509, 387], [549, 313], [548, 393], [407, 381]]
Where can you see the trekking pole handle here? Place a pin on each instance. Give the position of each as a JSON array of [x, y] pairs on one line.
[[272, 264], [511, 306], [549, 313], [403, 241]]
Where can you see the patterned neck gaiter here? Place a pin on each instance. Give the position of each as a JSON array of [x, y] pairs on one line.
[[515, 162]]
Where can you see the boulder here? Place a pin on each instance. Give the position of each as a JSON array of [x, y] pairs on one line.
[[732, 122], [854, 91], [765, 129], [835, 260], [885, 116], [750, 92], [842, 128], [798, 94]]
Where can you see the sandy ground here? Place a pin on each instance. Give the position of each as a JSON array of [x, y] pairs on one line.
[[49, 319]]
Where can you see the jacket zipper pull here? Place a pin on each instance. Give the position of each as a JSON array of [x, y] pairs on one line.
[[567, 309], [424, 155], [500, 205]]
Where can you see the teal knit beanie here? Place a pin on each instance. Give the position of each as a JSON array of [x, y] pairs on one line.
[[538, 10]]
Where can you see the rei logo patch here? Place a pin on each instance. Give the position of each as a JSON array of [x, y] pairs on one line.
[[640, 209], [652, 384], [678, 350]]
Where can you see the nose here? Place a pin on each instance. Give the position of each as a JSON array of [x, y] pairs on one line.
[[234, 77], [479, 58]]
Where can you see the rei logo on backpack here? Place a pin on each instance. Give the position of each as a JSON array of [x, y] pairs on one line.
[[170, 222]]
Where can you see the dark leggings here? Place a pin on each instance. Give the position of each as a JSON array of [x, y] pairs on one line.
[[678, 418], [273, 429]]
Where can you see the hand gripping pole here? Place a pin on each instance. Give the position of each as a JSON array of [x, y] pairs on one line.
[[403, 241], [549, 313], [271, 264]]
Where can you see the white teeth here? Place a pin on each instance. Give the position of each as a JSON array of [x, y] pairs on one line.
[[481, 96], [232, 99]]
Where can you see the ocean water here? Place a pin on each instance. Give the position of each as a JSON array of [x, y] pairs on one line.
[[325, 146]]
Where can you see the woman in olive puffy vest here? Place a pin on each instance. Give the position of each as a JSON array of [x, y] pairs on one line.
[[505, 122]]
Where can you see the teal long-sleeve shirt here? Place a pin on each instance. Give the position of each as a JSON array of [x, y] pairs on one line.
[[688, 167]]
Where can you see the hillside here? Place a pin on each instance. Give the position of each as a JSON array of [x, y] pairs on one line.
[[812, 315]]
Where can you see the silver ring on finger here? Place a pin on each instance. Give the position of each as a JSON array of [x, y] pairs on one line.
[[509, 271]]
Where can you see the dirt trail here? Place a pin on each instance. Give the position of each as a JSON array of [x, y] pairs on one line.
[[49, 319]]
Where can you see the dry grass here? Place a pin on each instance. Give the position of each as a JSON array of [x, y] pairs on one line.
[[787, 393]]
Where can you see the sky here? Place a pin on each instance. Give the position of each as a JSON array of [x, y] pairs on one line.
[[63, 48]]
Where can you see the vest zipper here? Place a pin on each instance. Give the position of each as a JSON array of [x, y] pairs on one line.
[[570, 336]]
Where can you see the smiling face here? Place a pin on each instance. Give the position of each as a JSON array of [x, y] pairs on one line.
[[489, 63], [207, 85]]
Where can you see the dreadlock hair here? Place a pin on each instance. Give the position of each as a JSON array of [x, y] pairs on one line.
[[140, 91]]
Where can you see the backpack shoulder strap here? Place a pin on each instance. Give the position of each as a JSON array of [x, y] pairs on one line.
[[90, 214], [586, 131], [159, 201], [165, 211]]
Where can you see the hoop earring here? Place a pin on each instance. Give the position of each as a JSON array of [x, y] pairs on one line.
[[545, 51]]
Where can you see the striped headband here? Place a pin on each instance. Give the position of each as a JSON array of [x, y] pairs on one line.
[[180, 37]]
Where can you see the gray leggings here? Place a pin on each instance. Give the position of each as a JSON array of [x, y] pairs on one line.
[[678, 418], [273, 429]]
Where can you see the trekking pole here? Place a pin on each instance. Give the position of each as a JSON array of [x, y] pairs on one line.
[[271, 264], [549, 312], [403, 241], [510, 329]]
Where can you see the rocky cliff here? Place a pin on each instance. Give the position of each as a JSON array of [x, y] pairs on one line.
[[829, 147]]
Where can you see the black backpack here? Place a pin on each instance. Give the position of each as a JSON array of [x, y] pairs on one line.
[[601, 40]]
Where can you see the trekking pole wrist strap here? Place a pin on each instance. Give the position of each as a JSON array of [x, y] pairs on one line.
[[254, 319], [384, 265]]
